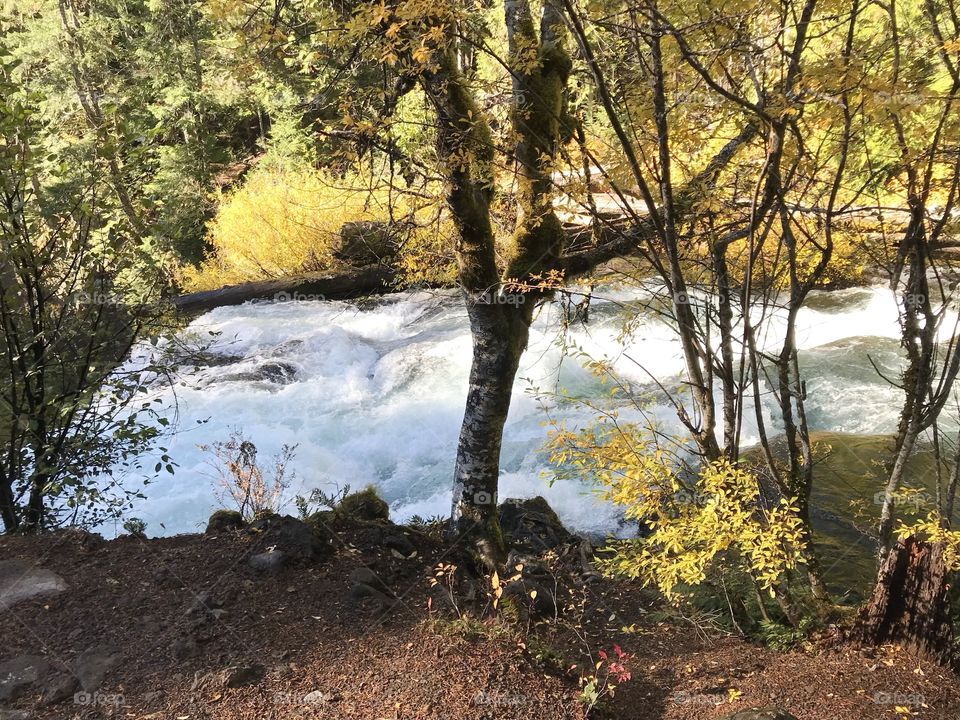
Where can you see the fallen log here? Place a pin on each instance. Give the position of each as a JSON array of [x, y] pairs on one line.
[[370, 280]]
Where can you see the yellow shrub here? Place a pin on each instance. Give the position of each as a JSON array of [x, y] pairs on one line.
[[931, 530], [283, 221], [692, 522]]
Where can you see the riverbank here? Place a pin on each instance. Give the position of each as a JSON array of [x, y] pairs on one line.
[[359, 618]]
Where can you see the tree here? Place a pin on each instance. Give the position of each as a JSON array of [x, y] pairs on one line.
[[501, 296], [910, 602], [71, 306]]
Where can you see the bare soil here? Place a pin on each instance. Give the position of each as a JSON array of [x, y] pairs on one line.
[[298, 643]]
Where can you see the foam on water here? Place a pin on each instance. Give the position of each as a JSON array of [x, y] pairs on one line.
[[373, 393]]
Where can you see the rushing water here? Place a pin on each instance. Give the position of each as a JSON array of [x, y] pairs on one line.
[[373, 392]]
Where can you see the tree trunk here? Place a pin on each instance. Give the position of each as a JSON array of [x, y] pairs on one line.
[[499, 338], [909, 605], [8, 512], [34, 516], [332, 285]]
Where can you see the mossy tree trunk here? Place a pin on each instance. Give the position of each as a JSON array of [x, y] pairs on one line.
[[503, 285], [499, 303]]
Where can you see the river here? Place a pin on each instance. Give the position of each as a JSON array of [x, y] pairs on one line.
[[372, 393]]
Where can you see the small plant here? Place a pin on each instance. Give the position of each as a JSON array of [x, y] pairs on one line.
[[433, 527], [608, 673], [242, 481], [498, 586], [546, 656], [136, 527], [318, 500], [782, 637], [445, 577]]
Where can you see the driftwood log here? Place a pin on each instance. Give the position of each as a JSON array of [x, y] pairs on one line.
[[369, 280], [909, 606]]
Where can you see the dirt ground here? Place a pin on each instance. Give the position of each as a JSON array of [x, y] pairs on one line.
[[191, 631]]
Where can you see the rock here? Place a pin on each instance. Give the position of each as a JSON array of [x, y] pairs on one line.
[[224, 521], [296, 539], [364, 505], [400, 543], [760, 714], [534, 599], [531, 568], [185, 648], [20, 580], [366, 576], [58, 688], [314, 698], [92, 666], [21, 673], [532, 525], [362, 591], [240, 675], [282, 373], [14, 715], [278, 373], [149, 698], [365, 242], [268, 561]]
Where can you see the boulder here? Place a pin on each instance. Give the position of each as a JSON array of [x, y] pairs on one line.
[[400, 544], [269, 561], [364, 505], [14, 715], [20, 674], [532, 525], [58, 688], [21, 581], [533, 599], [224, 521], [275, 372], [295, 538], [366, 576], [360, 592], [92, 666], [768, 713], [365, 243]]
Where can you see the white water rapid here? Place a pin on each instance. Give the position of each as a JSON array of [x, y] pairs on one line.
[[373, 393]]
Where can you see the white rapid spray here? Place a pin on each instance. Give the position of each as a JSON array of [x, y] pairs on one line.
[[372, 393]]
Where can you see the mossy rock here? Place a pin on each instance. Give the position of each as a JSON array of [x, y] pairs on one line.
[[364, 505], [223, 521], [298, 539], [532, 525]]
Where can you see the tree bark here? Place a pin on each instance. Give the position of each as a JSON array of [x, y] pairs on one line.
[[8, 512], [909, 605], [500, 335]]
